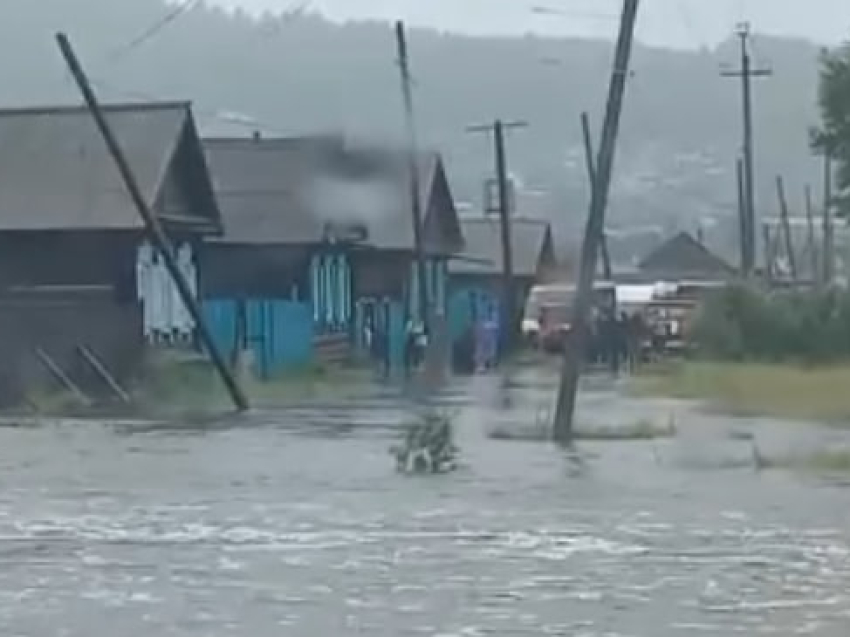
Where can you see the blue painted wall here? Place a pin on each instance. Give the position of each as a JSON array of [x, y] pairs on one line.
[[280, 333], [466, 303]]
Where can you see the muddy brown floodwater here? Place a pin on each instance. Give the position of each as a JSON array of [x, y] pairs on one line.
[[293, 523]]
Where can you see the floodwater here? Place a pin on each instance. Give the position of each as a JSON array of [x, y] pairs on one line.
[[294, 523]]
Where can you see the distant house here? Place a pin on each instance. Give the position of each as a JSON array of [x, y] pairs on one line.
[[476, 276], [683, 258], [318, 243], [75, 268]]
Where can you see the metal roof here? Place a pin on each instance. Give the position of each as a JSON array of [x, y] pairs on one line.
[[56, 172]]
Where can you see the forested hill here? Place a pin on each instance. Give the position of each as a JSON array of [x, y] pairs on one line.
[[680, 134]]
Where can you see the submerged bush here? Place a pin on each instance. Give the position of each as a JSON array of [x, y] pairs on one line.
[[744, 323]]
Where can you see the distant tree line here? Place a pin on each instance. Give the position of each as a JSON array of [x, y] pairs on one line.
[[833, 135]]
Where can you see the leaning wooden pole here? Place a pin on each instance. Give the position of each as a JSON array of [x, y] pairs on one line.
[[413, 162], [768, 253], [565, 409], [607, 271], [152, 226], [813, 244], [786, 227]]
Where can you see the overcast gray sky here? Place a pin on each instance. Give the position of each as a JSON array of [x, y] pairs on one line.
[[669, 22]]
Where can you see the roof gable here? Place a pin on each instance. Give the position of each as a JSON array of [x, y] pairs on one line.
[[56, 172], [684, 256], [483, 246], [442, 224]]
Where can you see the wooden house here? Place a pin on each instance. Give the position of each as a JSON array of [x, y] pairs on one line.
[[75, 269], [318, 243], [475, 278], [683, 258]]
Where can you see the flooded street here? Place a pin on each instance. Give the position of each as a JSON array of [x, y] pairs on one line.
[[294, 523]]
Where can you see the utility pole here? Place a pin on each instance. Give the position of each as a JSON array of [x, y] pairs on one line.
[[510, 315], [154, 230], [607, 271], [746, 73], [768, 253], [786, 227], [810, 222], [743, 222], [565, 409], [828, 238], [413, 161]]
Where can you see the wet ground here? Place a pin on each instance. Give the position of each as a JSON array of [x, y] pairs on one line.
[[294, 523]]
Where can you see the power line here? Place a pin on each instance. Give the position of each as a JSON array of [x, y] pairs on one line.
[[152, 30], [296, 10], [221, 114]]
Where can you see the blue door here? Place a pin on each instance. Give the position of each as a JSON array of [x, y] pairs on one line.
[[279, 333]]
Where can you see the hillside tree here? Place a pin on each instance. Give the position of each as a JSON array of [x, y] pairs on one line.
[[833, 134]]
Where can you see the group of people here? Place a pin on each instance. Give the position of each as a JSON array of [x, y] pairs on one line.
[[616, 340], [376, 341]]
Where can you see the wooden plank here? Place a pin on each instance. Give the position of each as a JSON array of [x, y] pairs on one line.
[[62, 377], [100, 370]]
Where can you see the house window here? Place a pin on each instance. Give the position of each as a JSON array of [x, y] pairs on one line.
[[329, 291], [316, 288], [335, 292], [345, 283]]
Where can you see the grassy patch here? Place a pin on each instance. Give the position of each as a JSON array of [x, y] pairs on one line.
[[175, 385], [541, 431], [641, 430], [829, 461], [825, 462], [750, 389]]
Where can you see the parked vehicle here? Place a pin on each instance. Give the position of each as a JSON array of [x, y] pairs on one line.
[[548, 312]]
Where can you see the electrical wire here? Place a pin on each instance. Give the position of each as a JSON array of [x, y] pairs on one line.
[[220, 115], [295, 11], [151, 31]]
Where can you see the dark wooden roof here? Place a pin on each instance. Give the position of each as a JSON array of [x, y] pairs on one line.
[[56, 173], [683, 257], [287, 191], [482, 255]]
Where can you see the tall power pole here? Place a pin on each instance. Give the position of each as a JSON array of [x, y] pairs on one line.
[[565, 409], [607, 271], [743, 222], [510, 314], [746, 73], [828, 236], [413, 161]]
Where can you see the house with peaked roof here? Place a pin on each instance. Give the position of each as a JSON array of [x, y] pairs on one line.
[[320, 228], [684, 258], [75, 267], [476, 276]]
